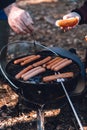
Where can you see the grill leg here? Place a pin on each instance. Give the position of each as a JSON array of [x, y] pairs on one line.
[[40, 119]]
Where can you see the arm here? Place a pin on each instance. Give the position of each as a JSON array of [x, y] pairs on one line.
[[80, 13], [83, 13], [5, 3]]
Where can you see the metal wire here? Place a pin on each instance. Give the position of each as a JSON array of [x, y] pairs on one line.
[[71, 104]]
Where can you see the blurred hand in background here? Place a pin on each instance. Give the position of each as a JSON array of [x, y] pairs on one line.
[[19, 20]]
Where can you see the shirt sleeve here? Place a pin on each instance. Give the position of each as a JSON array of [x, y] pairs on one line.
[[5, 3], [83, 13]]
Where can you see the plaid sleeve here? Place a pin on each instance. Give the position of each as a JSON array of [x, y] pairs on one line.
[[5, 3]]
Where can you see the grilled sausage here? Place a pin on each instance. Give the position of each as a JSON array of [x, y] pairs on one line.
[[22, 59], [18, 76], [34, 73], [55, 62], [31, 59], [42, 61], [58, 76], [66, 63], [30, 71], [58, 63], [64, 23], [51, 61]]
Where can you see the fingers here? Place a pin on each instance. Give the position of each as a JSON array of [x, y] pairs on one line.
[[29, 18], [66, 16], [18, 29], [27, 23], [24, 24]]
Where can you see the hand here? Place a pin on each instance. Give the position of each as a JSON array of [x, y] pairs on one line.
[[72, 15], [19, 20]]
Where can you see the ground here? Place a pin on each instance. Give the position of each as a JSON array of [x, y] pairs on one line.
[[44, 13]]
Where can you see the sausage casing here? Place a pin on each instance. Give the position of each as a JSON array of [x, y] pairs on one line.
[[53, 63], [42, 61], [30, 60], [34, 73], [66, 63], [30, 71], [22, 59], [58, 76], [58, 63], [18, 76]]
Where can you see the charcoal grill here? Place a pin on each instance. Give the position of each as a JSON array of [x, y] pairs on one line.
[[34, 90]]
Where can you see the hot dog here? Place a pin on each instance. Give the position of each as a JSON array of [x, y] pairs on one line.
[[66, 63], [58, 76], [53, 63], [58, 63], [18, 76], [30, 71], [42, 61], [34, 73], [86, 37], [64, 23], [22, 59], [31, 59]]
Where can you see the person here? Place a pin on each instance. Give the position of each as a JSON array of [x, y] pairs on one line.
[[80, 13], [11, 16]]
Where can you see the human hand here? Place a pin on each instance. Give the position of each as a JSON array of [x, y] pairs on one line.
[[19, 20]]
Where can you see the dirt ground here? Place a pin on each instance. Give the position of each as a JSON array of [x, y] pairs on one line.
[[44, 14]]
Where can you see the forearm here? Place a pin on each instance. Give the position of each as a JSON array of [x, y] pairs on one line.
[[5, 3], [83, 13]]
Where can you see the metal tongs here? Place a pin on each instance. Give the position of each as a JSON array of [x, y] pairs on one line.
[[41, 45], [70, 102]]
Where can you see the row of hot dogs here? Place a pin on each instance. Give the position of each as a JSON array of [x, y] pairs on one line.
[[40, 66]]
